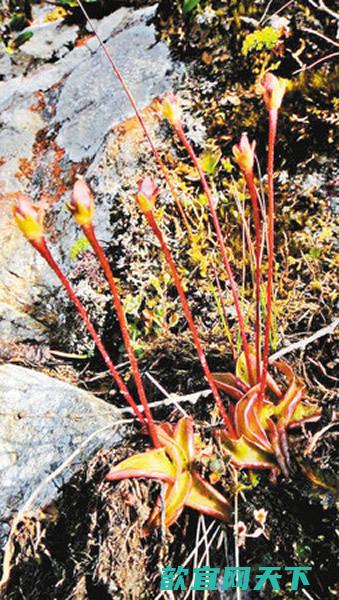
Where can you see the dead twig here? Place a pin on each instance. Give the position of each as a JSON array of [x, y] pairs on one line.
[[265, 16], [321, 35], [307, 594], [316, 62], [317, 436], [166, 394], [267, 8], [301, 344], [174, 399], [322, 6]]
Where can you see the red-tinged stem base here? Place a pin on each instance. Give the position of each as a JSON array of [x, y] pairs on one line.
[[90, 234], [169, 259], [221, 242], [41, 247]]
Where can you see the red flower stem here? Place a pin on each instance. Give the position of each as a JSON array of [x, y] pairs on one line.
[[140, 118], [273, 121], [41, 247], [90, 234], [256, 214], [176, 277], [227, 265]]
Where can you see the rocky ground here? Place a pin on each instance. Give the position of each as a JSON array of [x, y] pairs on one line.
[[62, 114]]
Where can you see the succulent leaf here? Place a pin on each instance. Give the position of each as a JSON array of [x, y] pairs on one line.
[[184, 437], [204, 498], [153, 464], [245, 454], [247, 420], [173, 464]]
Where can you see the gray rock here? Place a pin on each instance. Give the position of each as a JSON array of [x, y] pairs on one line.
[[112, 23], [17, 326], [78, 97], [50, 39], [92, 101], [43, 421], [18, 129], [5, 64]]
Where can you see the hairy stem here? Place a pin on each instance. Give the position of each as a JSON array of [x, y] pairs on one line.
[[221, 242], [256, 214], [140, 118], [90, 234], [273, 121], [41, 247], [177, 280]]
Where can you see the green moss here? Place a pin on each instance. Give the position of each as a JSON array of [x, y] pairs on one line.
[[263, 39], [81, 245]]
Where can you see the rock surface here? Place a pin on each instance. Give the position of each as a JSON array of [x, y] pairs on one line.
[[92, 101], [50, 39], [62, 112], [43, 421], [56, 117], [78, 95]]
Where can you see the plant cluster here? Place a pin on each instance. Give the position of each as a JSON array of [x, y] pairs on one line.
[[254, 426]]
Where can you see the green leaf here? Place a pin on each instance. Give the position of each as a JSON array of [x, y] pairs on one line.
[[209, 161], [315, 252], [189, 5], [73, 2], [132, 304], [22, 38]]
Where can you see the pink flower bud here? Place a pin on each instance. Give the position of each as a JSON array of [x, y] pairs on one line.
[[81, 204], [147, 194], [170, 108], [28, 218], [244, 153], [273, 90], [240, 529]]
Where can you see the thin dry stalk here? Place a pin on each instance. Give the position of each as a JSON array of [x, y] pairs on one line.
[[227, 265], [177, 280], [140, 118]]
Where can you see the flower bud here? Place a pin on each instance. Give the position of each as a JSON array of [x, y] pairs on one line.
[[244, 153], [81, 204], [147, 194], [273, 90], [28, 218], [170, 108], [260, 516]]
